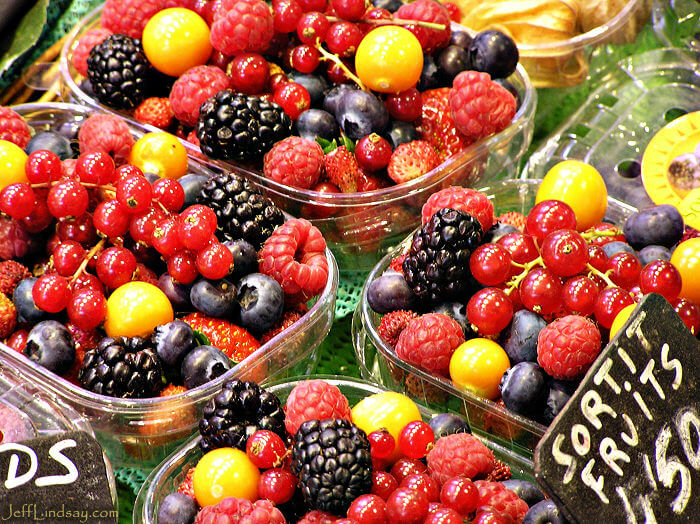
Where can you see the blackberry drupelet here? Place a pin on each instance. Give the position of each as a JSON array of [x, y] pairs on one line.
[[242, 212], [122, 367], [235, 127], [118, 71], [238, 411], [437, 265], [333, 462]]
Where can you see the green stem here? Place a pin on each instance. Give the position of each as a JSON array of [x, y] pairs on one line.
[[514, 282]]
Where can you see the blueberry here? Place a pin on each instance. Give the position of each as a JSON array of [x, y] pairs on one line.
[[650, 253], [177, 508], [524, 388], [151, 177], [178, 294], [452, 61], [660, 225], [51, 345], [202, 364], [567, 386], [389, 5], [24, 302], [447, 424], [314, 84], [498, 230], [333, 96], [192, 185], [314, 123], [544, 512], [612, 248], [69, 129], [261, 302], [173, 341], [400, 133], [245, 258], [51, 141], [460, 38], [430, 76], [527, 491], [494, 53], [389, 293], [458, 312], [361, 113], [519, 339], [556, 400], [214, 298]]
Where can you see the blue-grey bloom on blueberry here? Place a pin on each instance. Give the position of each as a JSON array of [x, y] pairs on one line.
[[51, 345], [202, 364], [524, 388], [261, 302], [214, 298], [390, 292], [173, 341], [447, 424], [519, 339]]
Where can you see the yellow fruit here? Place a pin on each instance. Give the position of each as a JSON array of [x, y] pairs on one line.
[[161, 154], [176, 40], [686, 258], [478, 365], [389, 59], [135, 309], [621, 318], [388, 410], [223, 473], [12, 162], [580, 186]]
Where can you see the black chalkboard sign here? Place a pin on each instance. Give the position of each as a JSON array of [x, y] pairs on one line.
[[57, 479], [627, 446]]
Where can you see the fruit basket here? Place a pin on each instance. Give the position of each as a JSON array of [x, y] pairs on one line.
[[170, 474], [550, 60], [361, 227], [380, 363], [611, 130], [141, 432]]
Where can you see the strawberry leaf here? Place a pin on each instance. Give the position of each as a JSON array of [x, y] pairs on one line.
[[326, 145], [347, 142], [201, 338]]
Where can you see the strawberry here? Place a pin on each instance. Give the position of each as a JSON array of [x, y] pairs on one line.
[[8, 316], [397, 263], [187, 485], [156, 112], [289, 318], [342, 169], [411, 160], [436, 125], [513, 218], [171, 390], [235, 341]]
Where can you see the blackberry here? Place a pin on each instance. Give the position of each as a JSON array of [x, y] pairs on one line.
[[333, 462], [238, 411], [118, 71], [235, 127], [437, 265], [122, 367], [242, 212]]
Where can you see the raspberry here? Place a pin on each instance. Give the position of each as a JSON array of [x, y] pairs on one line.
[[290, 317], [459, 455], [513, 218], [155, 111], [427, 11], [567, 347], [479, 106], [108, 134], [240, 511], [393, 324], [193, 88], [11, 273], [8, 316], [501, 472], [187, 486], [295, 162], [242, 26], [14, 239], [462, 199], [13, 128], [317, 517], [429, 342], [129, 17], [314, 399], [295, 257], [501, 499], [397, 263], [85, 45]]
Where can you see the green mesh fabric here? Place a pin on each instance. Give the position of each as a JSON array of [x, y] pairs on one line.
[[349, 289], [336, 353]]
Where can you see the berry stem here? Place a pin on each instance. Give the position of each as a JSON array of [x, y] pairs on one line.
[[514, 282], [330, 56], [89, 255], [592, 235], [601, 275]]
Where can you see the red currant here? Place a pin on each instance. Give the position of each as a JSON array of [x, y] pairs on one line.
[[416, 439], [87, 281], [443, 516], [405, 106], [277, 485], [597, 258], [610, 233], [349, 9], [67, 257], [609, 303], [166, 237], [343, 38], [689, 313], [250, 73], [662, 277], [368, 509], [337, 74], [565, 252], [541, 292], [406, 506], [115, 266], [134, 194], [461, 495], [489, 515], [579, 295], [214, 261], [382, 444], [313, 27], [142, 226], [39, 219], [293, 98], [95, 168], [68, 198], [522, 248], [51, 293], [110, 219], [43, 166], [277, 80], [625, 269], [265, 449], [87, 309], [127, 171], [383, 484], [372, 152], [169, 194], [196, 226], [313, 5], [549, 216], [81, 229], [405, 467], [182, 267], [17, 200], [490, 264], [425, 483], [305, 58], [286, 15], [489, 310]]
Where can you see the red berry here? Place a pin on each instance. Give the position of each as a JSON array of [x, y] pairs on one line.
[[51, 293], [368, 509], [606, 228], [169, 193], [689, 313], [134, 194], [662, 277], [407, 506], [415, 439], [286, 15], [165, 237], [405, 467], [549, 216], [115, 266], [444, 516], [349, 9], [87, 281], [43, 166], [405, 106], [250, 73], [313, 27], [277, 80], [383, 484], [343, 38], [17, 200], [522, 248], [293, 98], [182, 267], [625, 269], [87, 309], [579, 295], [305, 58], [313, 5], [141, 226], [127, 171], [214, 261], [110, 219], [39, 219], [67, 257], [609, 303], [565, 252], [337, 74], [81, 229], [597, 258], [197, 225], [490, 264], [540, 292], [425, 483], [277, 485], [382, 444], [372, 152], [265, 449], [488, 515], [67, 199], [95, 168], [489, 311], [460, 494]]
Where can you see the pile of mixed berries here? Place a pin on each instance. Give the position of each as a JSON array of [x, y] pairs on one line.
[[316, 460], [331, 96], [140, 285], [518, 307]]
